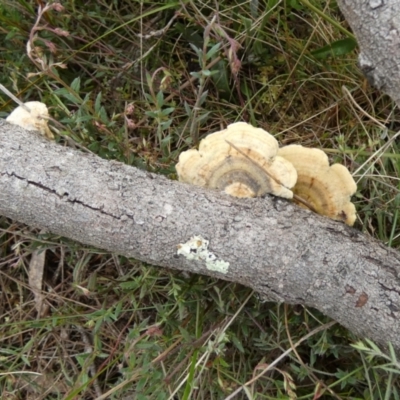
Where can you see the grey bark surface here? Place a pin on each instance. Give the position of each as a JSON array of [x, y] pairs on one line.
[[281, 251], [376, 24]]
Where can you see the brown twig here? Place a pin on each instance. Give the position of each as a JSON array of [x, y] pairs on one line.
[[281, 357]]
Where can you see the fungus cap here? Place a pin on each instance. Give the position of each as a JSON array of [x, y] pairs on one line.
[[327, 189], [241, 160], [35, 120]]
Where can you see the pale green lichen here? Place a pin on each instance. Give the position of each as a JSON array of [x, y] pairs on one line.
[[218, 265], [197, 249]]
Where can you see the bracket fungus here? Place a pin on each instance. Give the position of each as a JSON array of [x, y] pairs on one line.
[[32, 116], [241, 160], [324, 189]]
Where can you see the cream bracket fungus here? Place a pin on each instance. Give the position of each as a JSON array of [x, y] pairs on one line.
[[33, 120], [241, 160], [326, 189]]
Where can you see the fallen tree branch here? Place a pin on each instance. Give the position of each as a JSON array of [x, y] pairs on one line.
[[376, 24], [269, 244]]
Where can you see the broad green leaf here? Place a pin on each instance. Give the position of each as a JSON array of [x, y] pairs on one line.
[[213, 51], [160, 99], [335, 49], [76, 85]]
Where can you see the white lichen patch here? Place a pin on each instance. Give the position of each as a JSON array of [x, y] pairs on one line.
[[218, 265], [168, 209], [197, 249]]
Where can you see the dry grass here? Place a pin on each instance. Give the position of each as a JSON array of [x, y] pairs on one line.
[[141, 87]]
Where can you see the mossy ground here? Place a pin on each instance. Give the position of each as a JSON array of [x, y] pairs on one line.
[[140, 82]]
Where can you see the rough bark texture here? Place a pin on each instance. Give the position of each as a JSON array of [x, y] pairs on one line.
[[376, 24], [284, 252]]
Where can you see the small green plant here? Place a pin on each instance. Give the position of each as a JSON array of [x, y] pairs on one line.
[[205, 55], [382, 370], [161, 112]]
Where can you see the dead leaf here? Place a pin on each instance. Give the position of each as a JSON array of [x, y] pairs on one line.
[[36, 267]]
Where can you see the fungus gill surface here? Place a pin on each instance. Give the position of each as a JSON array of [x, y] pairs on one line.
[[327, 189], [35, 120], [241, 160]]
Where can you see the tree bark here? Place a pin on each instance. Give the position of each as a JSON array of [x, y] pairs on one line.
[[269, 244], [376, 24]]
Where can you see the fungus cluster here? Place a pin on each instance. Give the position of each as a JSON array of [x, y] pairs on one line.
[[245, 161], [241, 160]]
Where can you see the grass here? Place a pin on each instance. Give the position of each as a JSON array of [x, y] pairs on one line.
[[140, 82]]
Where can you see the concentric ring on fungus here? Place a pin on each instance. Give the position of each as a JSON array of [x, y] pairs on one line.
[[241, 160]]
